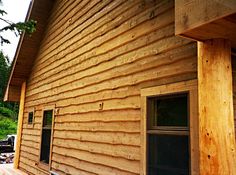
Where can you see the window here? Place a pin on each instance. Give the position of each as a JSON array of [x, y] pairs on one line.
[[169, 121], [30, 118], [168, 135], [46, 136]]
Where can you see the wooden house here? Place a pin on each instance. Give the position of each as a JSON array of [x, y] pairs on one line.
[[127, 87]]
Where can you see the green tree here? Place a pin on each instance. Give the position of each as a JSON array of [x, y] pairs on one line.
[[8, 109], [4, 71]]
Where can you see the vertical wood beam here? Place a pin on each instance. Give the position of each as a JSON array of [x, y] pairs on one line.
[[216, 119], [20, 123]]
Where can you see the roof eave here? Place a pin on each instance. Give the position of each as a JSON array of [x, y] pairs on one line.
[[39, 10]]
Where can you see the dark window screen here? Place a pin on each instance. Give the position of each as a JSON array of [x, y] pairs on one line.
[[30, 117], [169, 111], [46, 136], [168, 155], [45, 146]]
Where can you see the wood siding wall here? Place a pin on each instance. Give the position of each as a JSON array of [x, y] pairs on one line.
[[94, 59]]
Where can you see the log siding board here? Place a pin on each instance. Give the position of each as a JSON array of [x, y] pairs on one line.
[[120, 19], [29, 167], [112, 69], [74, 20], [97, 169], [101, 148], [70, 169], [139, 42], [56, 31], [94, 58], [118, 163], [99, 39], [112, 82]]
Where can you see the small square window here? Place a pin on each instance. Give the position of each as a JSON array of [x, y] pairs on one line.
[[30, 117]]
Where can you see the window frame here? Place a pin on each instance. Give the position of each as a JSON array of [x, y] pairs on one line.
[[189, 87], [42, 165]]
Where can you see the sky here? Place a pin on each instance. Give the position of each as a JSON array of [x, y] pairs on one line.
[[16, 12]]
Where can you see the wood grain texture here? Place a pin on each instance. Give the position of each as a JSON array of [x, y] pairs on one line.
[[216, 119]]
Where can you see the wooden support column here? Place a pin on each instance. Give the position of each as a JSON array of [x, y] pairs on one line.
[[19, 127], [216, 118]]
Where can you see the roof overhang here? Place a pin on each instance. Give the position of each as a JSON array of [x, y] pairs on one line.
[[27, 49], [202, 19]]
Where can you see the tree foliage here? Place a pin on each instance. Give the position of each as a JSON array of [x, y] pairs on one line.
[[9, 110], [7, 126], [18, 28]]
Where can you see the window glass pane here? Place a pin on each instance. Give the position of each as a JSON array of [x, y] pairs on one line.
[[168, 155], [45, 145], [169, 111], [30, 117], [47, 118]]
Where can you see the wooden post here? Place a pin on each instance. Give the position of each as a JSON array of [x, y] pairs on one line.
[[216, 118], [20, 123]]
